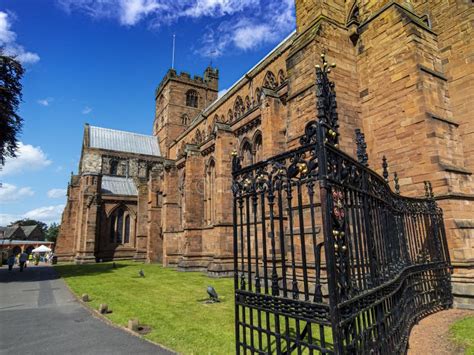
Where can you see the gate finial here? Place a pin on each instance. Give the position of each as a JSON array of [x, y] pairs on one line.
[[427, 189], [385, 168], [362, 156], [397, 186], [326, 100]]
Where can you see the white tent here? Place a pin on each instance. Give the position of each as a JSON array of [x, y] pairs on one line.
[[41, 249]]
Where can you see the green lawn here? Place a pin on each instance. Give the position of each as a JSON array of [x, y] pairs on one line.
[[462, 333], [170, 302]]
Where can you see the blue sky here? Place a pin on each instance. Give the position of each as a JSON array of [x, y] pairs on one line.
[[99, 61]]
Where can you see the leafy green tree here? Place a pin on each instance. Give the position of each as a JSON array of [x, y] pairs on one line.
[[11, 73], [52, 232]]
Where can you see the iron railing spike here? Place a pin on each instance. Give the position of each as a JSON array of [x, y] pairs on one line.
[[396, 181]]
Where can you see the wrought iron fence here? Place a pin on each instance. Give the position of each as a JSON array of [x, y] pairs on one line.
[[327, 258]]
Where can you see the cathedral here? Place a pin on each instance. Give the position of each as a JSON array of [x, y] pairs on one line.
[[404, 77]]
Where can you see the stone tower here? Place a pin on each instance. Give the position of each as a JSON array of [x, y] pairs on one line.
[[179, 99], [405, 77]]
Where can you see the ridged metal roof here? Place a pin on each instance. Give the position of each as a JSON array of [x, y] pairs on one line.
[[121, 141], [116, 185]]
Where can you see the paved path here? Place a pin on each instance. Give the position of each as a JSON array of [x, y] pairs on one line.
[[38, 315]]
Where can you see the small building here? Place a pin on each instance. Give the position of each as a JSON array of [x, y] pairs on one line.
[[18, 232]]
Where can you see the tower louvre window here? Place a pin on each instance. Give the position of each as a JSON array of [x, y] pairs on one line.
[[192, 98]]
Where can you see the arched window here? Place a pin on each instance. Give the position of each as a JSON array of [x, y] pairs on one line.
[[248, 104], [239, 108], [270, 81], [209, 196], [198, 137], [184, 119], [230, 116], [112, 228], [119, 229], [119, 226], [246, 154], [126, 233], [192, 98], [113, 167], [257, 146]]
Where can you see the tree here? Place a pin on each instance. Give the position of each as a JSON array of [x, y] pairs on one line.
[[11, 73], [52, 232]]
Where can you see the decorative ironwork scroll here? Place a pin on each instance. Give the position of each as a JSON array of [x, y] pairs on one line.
[[327, 258], [362, 156]]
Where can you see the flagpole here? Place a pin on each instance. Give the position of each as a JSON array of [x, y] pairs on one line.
[[172, 58]]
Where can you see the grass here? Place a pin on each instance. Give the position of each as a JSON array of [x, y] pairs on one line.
[[168, 301], [462, 333]]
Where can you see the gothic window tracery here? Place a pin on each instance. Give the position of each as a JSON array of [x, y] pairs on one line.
[[270, 81], [230, 116], [239, 108], [192, 98], [248, 104]]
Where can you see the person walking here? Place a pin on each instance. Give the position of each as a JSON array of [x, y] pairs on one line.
[[22, 259], [11, 262]]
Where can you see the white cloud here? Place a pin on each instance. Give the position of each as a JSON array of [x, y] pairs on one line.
[[45, 102], [8, 42], [6, 36], [86, 110], [57, 193], [28, 158], [245, 25], [6, 219], [10, 193], [48, 214], [218, 8], [252, 35], [132, 11]]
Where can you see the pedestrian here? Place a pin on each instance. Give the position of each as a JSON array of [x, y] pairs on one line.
[[11, 262], [22, 259]]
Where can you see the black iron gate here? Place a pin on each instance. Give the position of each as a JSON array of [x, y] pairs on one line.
[[327, 258]]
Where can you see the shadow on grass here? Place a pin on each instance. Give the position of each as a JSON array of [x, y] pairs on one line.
[[71, 270]]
